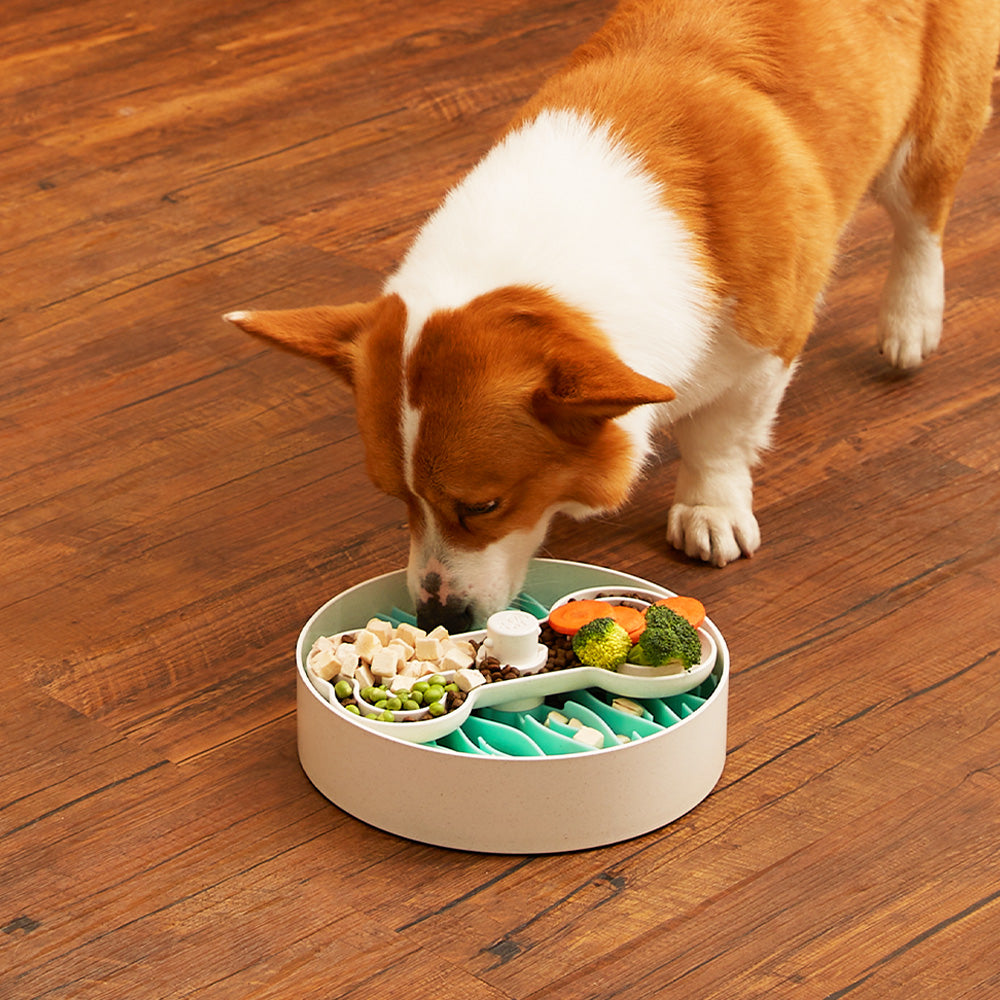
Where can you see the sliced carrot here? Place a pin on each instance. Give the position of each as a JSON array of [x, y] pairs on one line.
[[687, 607], [569, 618], [630, 619]]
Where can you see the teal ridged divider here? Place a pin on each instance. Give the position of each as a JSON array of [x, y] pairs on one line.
[[493, 732]]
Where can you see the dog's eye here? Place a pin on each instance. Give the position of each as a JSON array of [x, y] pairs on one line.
[[467, 510]]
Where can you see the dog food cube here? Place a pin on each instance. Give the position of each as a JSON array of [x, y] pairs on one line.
[[367, 645], [462, 645], [400, 683], [589, 737], [382, 629], [363, 675], [469, 678], [456, 659], [555, 716], [405, 647], [439, 632], [426, 648], [347, 657], [409, 633], [411, 669], [386, 662], [626, 705], [322, 659]]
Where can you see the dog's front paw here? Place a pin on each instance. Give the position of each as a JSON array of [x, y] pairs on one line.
[[716, 535], [912, 307]]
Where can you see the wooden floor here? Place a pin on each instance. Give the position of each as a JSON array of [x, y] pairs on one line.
[[177, 499]]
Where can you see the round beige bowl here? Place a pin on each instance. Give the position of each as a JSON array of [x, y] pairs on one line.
[[508, 805]]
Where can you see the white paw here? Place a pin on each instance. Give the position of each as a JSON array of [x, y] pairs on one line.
[[912, 309], [716, 535], [908, 337]]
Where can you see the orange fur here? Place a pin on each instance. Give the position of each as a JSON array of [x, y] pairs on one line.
[[764, 123], [764, 144], [518, 366]]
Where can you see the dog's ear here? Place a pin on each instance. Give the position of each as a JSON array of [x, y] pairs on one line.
[[329, 333], [588, 389]]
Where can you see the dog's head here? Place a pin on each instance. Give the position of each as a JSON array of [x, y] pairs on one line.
[[486, 420]]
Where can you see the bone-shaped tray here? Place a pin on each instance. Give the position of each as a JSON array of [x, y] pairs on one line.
[[523, 693]]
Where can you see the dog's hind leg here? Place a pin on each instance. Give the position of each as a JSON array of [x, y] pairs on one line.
[[917, 187], [712, 516]]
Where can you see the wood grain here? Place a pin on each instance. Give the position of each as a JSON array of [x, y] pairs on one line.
[[176, 500]]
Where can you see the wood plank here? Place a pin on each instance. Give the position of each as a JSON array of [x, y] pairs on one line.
[[176, 500]]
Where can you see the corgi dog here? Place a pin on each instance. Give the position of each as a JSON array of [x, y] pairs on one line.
[[646, 245]]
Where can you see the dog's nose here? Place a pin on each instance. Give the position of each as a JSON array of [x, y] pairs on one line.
[[454, 615]]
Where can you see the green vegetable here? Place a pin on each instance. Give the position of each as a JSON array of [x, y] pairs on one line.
[[668, 638], [343, 689], [602, 643]]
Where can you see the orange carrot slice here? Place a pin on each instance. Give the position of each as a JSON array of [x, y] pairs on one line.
[[569, 618], [630, 619], [687, 607]]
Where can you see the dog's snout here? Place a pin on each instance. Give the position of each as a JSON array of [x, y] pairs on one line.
[[455, 616]]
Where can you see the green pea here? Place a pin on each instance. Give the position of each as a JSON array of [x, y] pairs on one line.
[[387, 717], [382, 704], [353, 709], [438, 679], [434, 693], [343, 689], [451, 687], [368, 693], [417, 697], [421, 686], [394, 704], [409, 705], [436, 709]]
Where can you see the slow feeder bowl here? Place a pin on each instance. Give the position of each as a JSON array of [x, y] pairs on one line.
[[470, 788]]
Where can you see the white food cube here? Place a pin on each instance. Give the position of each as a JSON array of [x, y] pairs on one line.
[[363, 675], [409, 633], [469, 678], [411, 669], [405, 647], [462, 645], [591, 737], [367, 645], [440, 633], [386, 662], [456, 659], [347, 657], [626, 705], [382, 629], [576, 723], [428, 667], [426, 648], [322, 659], [400, 683], [555, 716]]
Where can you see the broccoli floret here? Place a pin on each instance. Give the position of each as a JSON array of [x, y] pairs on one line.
[[602, 643], [668, 638]]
